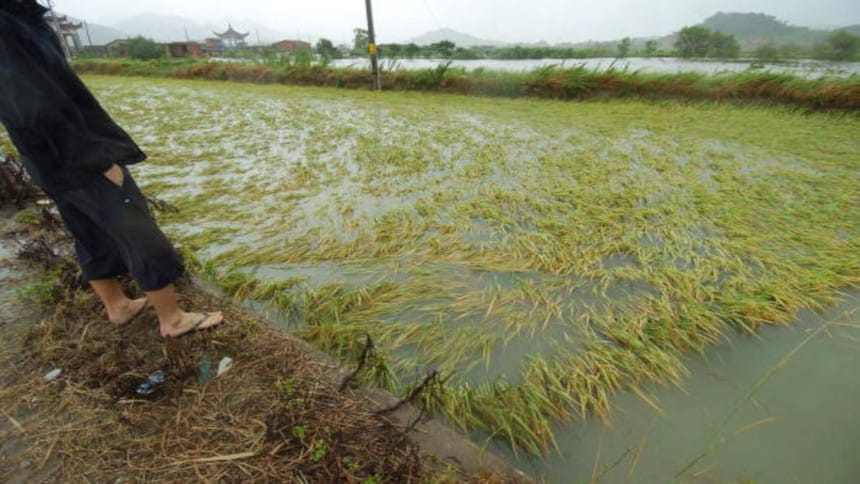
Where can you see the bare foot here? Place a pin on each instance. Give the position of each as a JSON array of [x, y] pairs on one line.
[[188, 322], [125, 313]]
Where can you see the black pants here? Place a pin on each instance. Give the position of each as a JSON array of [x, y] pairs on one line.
[[115, 233]]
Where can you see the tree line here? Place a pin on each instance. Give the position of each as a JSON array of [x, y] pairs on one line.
[[698, 41], [691, 42]]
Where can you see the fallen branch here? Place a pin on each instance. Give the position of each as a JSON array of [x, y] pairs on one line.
[[432, 379], [362, 362]]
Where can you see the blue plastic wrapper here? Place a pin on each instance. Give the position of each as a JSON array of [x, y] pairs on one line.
[[151, 383]]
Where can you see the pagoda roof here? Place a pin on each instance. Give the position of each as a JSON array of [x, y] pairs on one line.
[[231, 34]]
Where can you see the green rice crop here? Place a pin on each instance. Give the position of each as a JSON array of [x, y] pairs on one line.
[[542, 255]]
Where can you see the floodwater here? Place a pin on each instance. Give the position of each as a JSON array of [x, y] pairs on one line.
[[782, 407], [805, 68]]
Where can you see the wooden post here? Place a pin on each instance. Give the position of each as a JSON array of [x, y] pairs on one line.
[[371, 47]]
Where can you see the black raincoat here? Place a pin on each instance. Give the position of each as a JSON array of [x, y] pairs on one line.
[[64, 136]]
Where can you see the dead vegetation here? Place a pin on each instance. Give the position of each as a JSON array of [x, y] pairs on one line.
[[15, 188], [273, 416]]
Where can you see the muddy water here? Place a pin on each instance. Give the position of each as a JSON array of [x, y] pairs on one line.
[[16, 316], [11, 275], [783, 407]]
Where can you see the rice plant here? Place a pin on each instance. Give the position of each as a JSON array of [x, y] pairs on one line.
[[542, 256]]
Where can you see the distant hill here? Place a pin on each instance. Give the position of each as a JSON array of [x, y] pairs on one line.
[[162, 28], [167, 28], [753, 29], [459, 38], [750, 29], [101, 34]]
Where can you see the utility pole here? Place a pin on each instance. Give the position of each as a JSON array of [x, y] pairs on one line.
[[371, 47]]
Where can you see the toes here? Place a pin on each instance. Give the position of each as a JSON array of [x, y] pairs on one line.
[[190, 322], [210, 319]]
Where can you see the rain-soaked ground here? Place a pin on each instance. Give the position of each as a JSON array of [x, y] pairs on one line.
[[16, 317]]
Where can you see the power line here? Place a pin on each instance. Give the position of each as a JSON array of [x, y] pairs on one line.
[[433, 15]]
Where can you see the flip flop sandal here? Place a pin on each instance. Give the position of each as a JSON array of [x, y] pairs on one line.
[[196, 326]]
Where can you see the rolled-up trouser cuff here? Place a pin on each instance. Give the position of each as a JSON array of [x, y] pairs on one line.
[[115, 233]]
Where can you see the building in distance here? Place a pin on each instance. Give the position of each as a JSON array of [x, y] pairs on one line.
[[291, 46]]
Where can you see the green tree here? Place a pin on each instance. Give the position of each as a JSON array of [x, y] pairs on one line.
[[411, 50], [843, 45], [390, 51], [462, 53], [303, 57], [360, 41], [325, 49], [766, 52], [823, 50], [624, 47], [794, 51], [444, 48], [650, 48], [144, 49], [724, 45], [693, 42]]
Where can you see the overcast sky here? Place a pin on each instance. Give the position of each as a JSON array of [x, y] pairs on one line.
[[504, 20]]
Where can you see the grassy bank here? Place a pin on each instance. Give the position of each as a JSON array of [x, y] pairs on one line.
[[542, 256], [546, 83]]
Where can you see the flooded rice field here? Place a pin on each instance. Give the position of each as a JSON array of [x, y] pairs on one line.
[[777, 408], [554, 261]]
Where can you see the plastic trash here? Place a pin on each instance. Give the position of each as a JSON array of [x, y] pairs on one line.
[[151, 384], [204, 369], [53, 374], [224, 365]]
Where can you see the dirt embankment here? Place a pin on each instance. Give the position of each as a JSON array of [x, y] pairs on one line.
[[279, 413]]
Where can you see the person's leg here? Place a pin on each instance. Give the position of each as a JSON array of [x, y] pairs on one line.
[[120, 309], [117, 211], [100, 262], [151, 258], [172, 320]]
